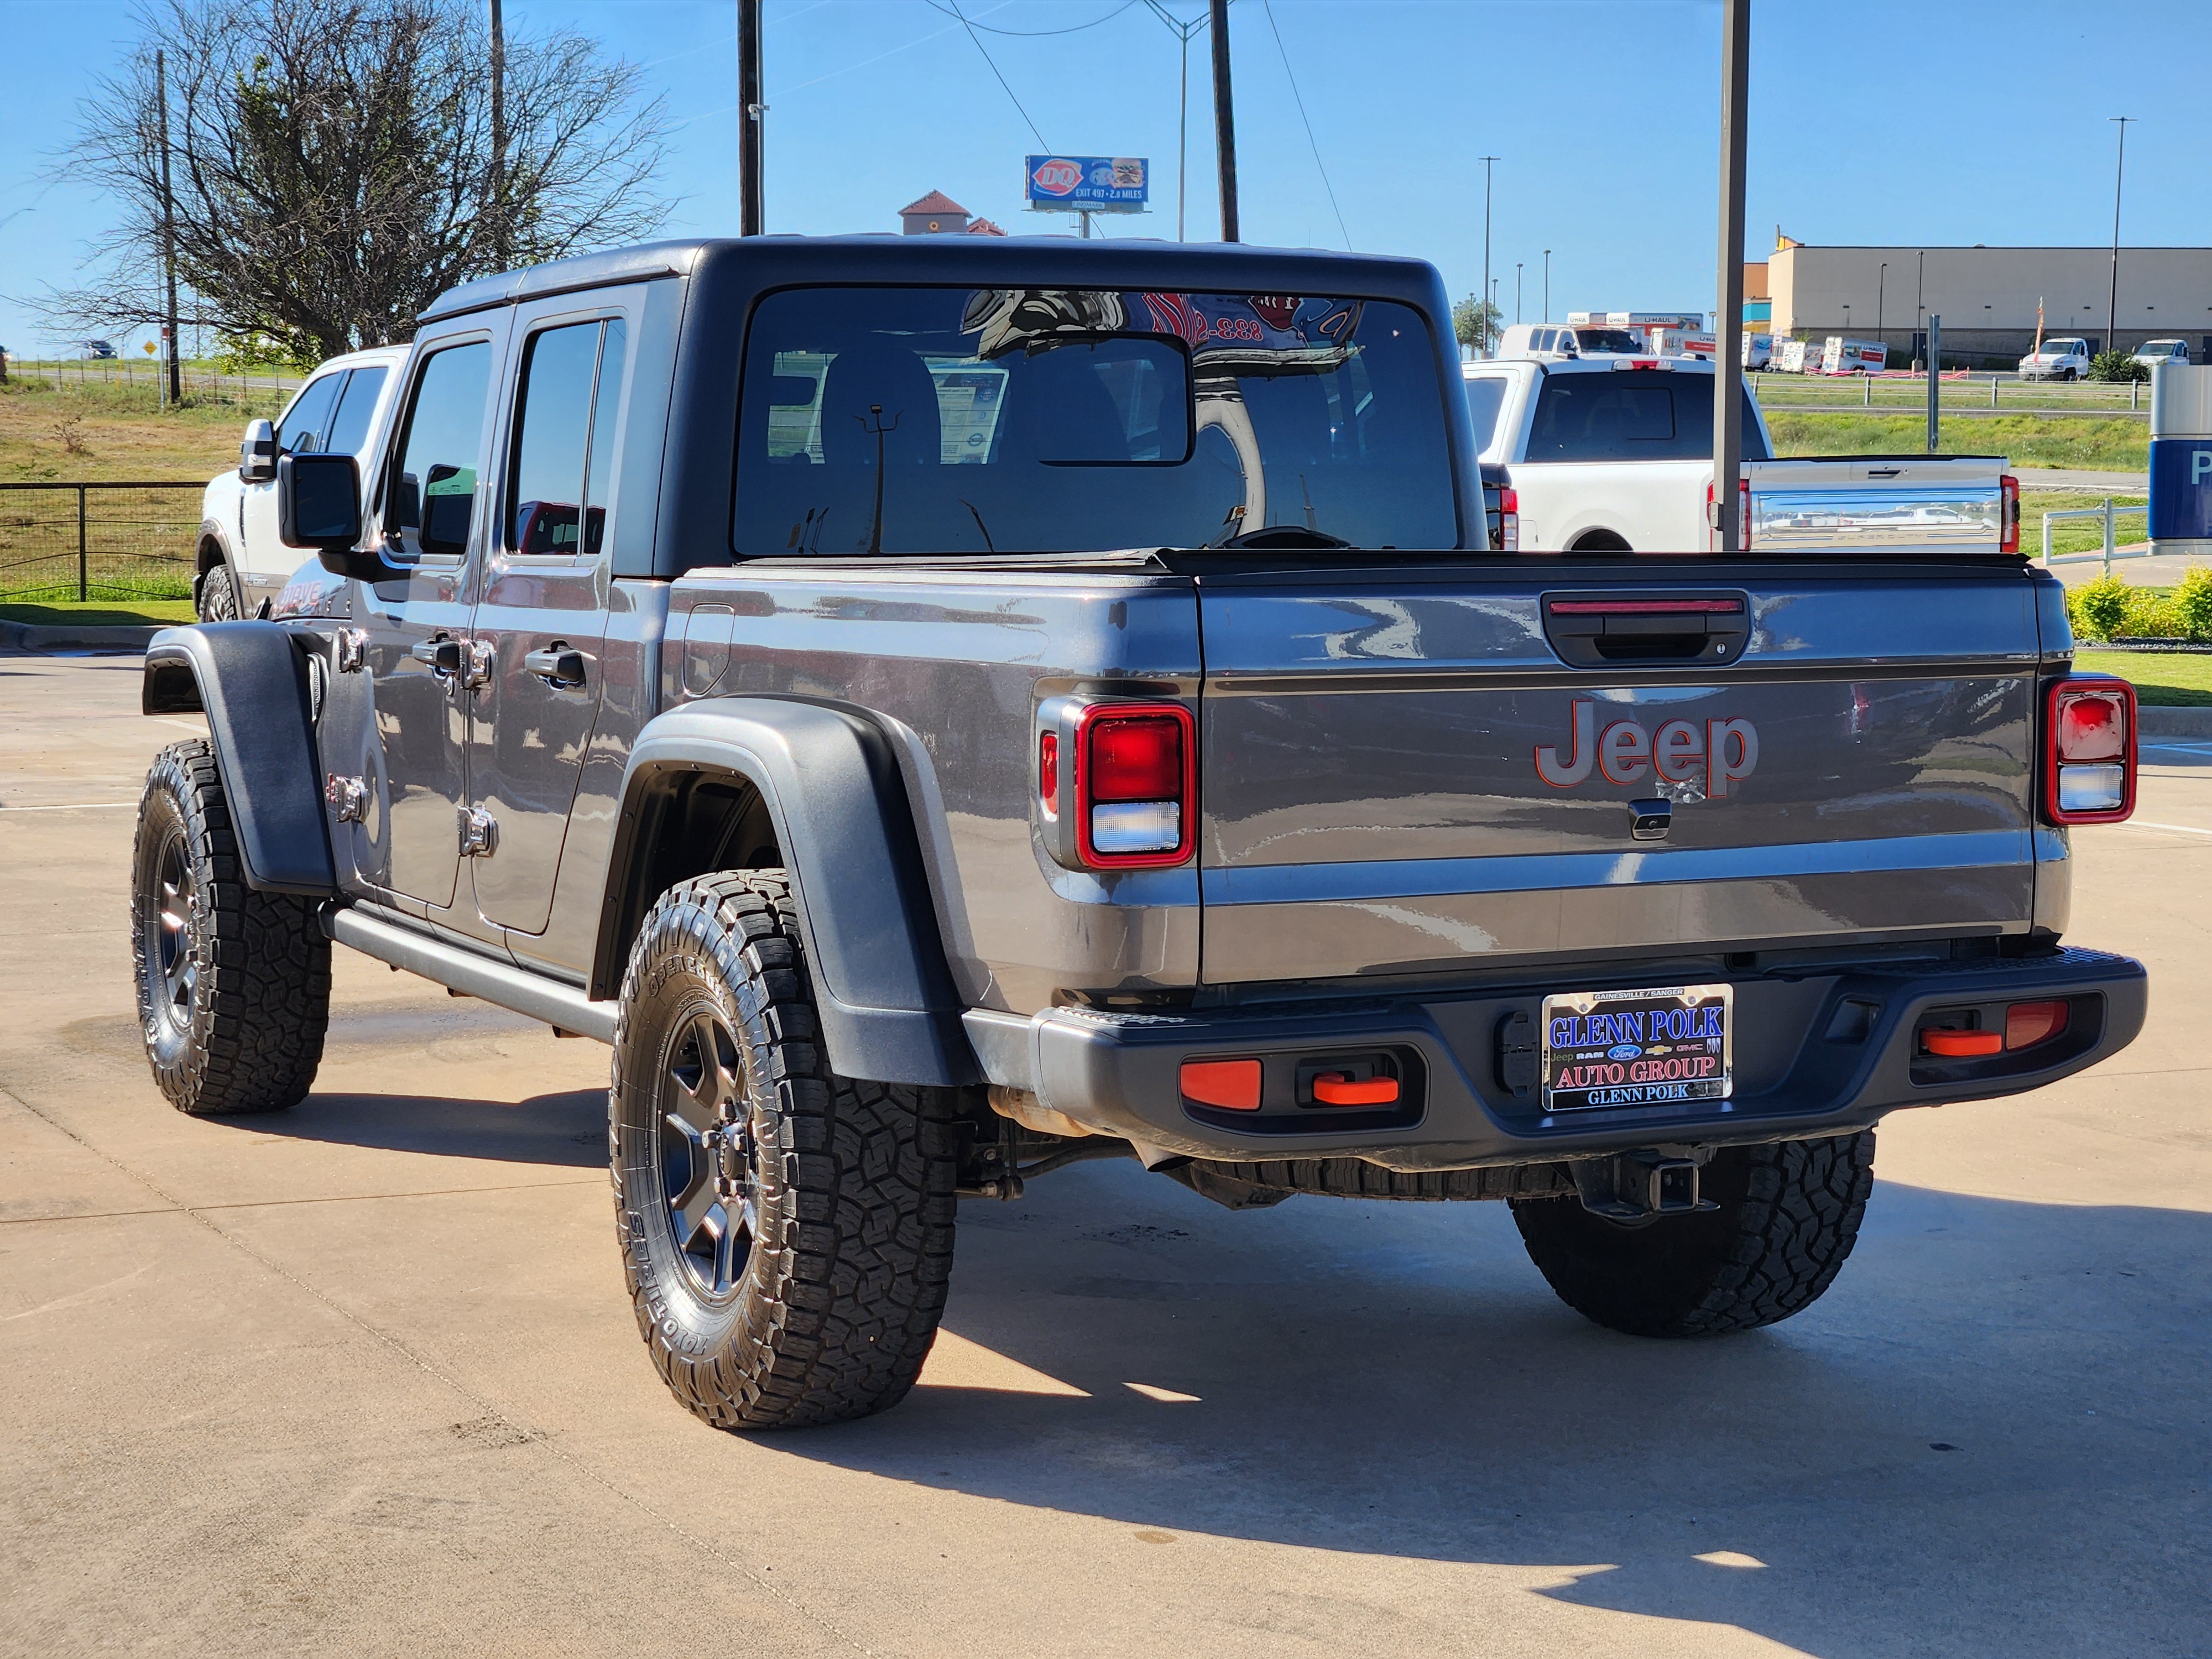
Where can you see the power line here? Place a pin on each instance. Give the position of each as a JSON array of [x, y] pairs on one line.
[[978, 39], [1034, 35], [1268, 6]]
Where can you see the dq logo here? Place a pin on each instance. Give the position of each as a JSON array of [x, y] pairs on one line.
[[1057, 177], [1726, 750]]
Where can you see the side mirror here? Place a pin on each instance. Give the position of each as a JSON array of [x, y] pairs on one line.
[[317, 501], [256, 454]]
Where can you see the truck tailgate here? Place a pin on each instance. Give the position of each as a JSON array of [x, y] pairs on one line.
[[1883, 505], [1402, 774]]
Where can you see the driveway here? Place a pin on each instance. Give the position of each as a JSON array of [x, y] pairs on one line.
[[362, 1378]]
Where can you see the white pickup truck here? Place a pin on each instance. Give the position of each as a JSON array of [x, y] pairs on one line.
[[1615, 455], [343, 410], [2066, 358]]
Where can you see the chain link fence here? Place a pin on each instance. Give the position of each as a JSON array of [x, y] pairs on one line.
[[98, 541]]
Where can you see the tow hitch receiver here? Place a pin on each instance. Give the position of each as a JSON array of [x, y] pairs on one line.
[[1639, 1185]]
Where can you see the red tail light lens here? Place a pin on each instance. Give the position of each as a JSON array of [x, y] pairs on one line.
[[2027, 1024], [2007, 514], [2089, 750], [1136, 785], [1743, 515], [1232, 1084], [1048, 774], [1508, 520]]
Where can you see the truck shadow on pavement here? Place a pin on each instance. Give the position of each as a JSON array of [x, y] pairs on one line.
[[566, 1131], [1991, 1436]]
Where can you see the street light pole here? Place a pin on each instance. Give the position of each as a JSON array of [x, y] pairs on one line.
[[1548, 285], [1728, 365], [1481, 311], [2112, 306]]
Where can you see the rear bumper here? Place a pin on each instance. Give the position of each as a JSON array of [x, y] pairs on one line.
[[1816, 1053]]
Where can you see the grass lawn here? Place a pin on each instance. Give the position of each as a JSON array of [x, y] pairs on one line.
[[2116, 444], [99, 613], [97, 431], [2162, 679]]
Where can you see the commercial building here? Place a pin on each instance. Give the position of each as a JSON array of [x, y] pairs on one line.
[[939, 214], [1987, 296]]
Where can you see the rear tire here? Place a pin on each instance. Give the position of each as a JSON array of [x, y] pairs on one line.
[[234, 984], [1789, 1214], [218, 597], [787, 1232]]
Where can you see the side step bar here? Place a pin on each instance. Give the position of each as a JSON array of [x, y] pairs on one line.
[[564, 1007]]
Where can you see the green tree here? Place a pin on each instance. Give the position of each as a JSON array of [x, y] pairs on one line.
[[1477, 327]]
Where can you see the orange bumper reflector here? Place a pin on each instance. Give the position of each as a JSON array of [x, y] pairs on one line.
[[1233, 1084], [1957, 1045], [1334, 1088]]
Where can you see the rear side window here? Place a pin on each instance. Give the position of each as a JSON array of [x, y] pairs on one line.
[[949, 420], [1486, 396], [309, 417], [434, 487], [1639, 415], [564, 439], [356, 409]]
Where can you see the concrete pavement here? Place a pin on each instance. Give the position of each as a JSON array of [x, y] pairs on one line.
[[362, 1378]]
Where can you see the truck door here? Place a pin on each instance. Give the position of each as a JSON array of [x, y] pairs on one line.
[[416, 649], [541, 616]]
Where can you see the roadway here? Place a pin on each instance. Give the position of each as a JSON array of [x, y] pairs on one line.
[[362, 1378]]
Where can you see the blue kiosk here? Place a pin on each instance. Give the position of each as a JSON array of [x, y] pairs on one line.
[[2181, 460]]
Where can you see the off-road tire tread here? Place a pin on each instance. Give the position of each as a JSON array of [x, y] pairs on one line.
[[1789, 1215], [265, 965], [840, 1311], [218, 595]]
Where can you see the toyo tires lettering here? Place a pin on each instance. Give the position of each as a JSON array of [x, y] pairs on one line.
[[1725, 751]]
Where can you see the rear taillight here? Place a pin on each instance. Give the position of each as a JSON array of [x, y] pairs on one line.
[[1743, 515], [1977, 1033], [2007, 514], [2089, 750], [1117, 783], [1508, 520]]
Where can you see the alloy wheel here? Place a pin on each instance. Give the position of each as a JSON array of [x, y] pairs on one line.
[[710, 1183]]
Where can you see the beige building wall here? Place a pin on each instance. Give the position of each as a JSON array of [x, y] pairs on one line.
[[1987, 295]]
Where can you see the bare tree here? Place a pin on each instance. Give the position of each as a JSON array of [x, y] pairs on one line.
[[334, 168]]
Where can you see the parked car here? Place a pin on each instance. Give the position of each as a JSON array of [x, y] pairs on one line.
[[98, 350], [342, 408], [2066, 358], [2151, 353], [1616, 456], [1015, 702]]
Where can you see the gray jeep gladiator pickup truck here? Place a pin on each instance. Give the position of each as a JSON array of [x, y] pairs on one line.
[[946, 710]]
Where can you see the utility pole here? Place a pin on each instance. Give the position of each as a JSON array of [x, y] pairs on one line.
[[2112, 306], [1481, 311], [1516, 290], [503, 239], [1224, 120], [1728, 365], [750, 178], [176, 390], [1548, 285]]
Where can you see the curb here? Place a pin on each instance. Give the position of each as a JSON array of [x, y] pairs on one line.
[[2156, 722], [117, 639]]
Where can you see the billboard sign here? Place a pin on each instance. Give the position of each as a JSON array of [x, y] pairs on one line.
[[1087, 184]]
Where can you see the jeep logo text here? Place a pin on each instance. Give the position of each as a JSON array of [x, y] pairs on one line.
[[1726, 751]]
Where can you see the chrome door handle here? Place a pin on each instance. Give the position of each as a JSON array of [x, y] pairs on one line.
[[481, 657], [557, 665]]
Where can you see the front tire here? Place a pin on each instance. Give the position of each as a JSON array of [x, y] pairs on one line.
[[787, 1232], [1789, 1214], [234, 984], [218, 595]]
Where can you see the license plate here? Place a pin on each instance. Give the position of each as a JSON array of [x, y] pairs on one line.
[[1642, 1048]]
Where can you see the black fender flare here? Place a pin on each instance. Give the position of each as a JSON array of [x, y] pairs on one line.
[[831, 786], [250, 678]]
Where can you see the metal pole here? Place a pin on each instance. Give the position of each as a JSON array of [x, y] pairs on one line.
[[1880, 281], [1482, 306], [1183, 137], [1920, 292], [168, 232], [750, 109], [2108, 535], [2112, 305], [1934, 380], [81, 593], [1548, 285], [501, 225], [1728, 366], [1224, 120]]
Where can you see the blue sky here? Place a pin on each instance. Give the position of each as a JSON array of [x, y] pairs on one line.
[[1903, 121]]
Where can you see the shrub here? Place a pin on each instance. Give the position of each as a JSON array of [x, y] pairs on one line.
[[2099, 609], [2117, 366], [2151, 618], [2192, 599]]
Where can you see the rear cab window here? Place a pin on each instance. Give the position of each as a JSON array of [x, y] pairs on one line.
[[948, 421], [1634, 415], [1486, 398], [308, 420]]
